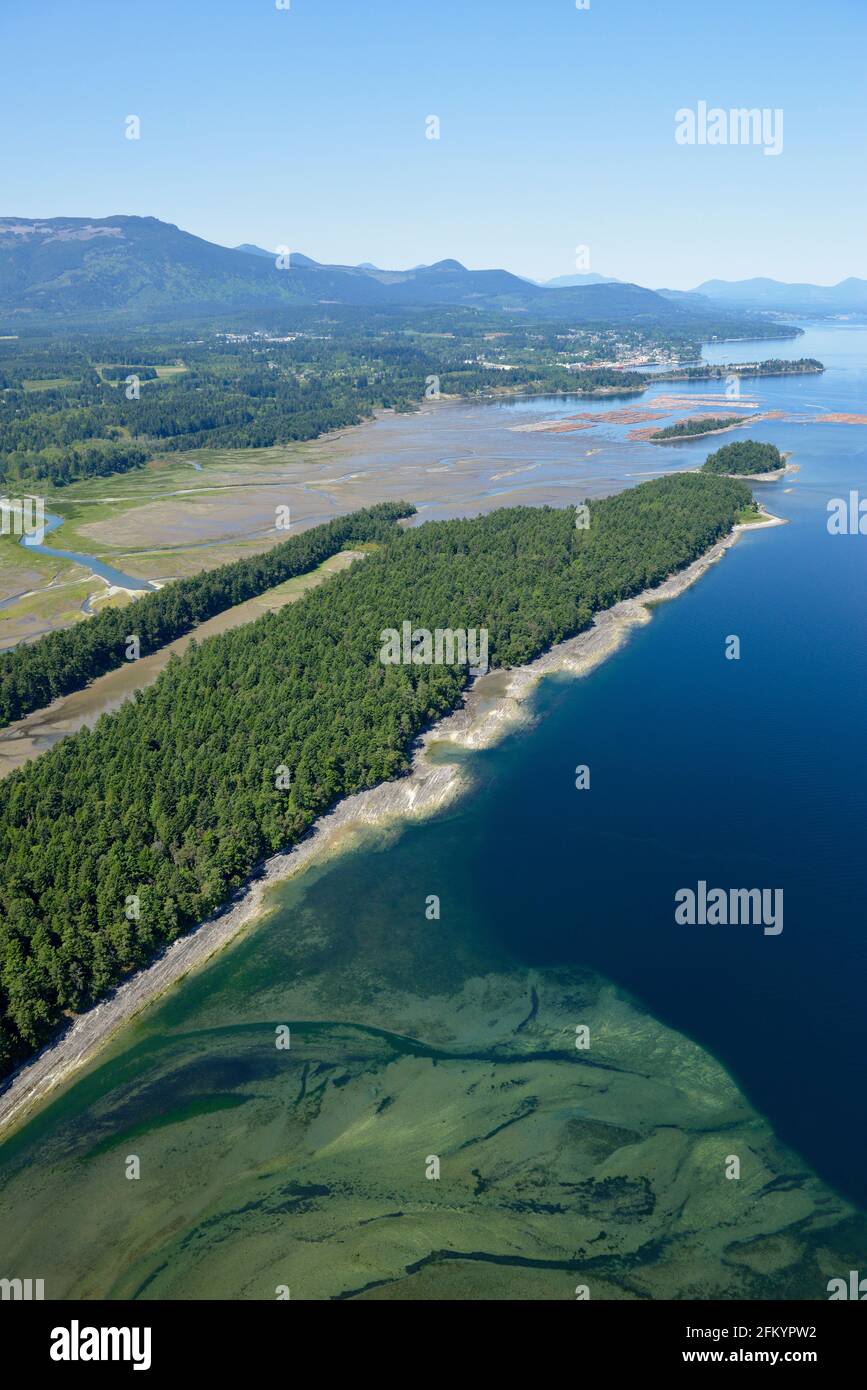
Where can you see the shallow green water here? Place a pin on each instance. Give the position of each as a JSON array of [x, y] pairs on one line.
[[263, 1166]]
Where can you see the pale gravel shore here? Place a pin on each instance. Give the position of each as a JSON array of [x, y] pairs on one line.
[[489, 710]]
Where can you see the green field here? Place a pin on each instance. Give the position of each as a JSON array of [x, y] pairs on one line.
[[46, 384]]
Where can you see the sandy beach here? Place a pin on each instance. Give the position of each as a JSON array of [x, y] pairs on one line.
[[493, 704], [772, 477]]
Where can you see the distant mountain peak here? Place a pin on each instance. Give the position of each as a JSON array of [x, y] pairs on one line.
[[252, 250], [295, 257], [589, 277]]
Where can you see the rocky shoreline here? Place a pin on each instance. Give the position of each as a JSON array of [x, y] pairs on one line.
[[493, 704]]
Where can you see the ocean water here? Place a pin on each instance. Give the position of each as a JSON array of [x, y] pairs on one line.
[[748, 773]]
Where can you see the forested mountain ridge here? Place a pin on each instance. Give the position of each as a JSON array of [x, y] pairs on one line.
[[139, 267], [64, 265], [169, 802]]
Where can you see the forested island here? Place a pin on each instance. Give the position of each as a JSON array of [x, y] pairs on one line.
[[687, 429], [772, 366], [745, 456], [121, 837]]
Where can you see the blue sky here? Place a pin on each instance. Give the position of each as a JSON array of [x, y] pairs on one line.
[[306, 127]]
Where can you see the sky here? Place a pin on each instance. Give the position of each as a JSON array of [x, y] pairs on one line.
[[307, 127]]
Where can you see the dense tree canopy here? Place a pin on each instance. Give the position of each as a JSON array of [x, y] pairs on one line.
[[685, 429], [745, 456], [771, 366], [169, 802], [35, 673]]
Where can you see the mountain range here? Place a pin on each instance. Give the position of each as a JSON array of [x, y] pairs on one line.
[[67, 268], [589, 277], [848, 297]]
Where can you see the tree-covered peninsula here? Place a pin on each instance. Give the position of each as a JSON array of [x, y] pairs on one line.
[[721, 371], [122, 836]]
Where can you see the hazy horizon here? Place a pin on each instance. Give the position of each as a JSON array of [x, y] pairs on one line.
[[309, 127], [490, 265], [410, 264]]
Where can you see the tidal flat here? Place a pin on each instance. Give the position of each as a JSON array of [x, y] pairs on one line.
[[188, 511], [191, 511]]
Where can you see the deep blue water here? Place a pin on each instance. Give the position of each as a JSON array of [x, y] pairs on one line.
[[745, 774], [749, 773]]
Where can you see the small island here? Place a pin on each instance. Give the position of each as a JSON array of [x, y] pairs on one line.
[[747, 458], [697, 425], [772, 366]]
